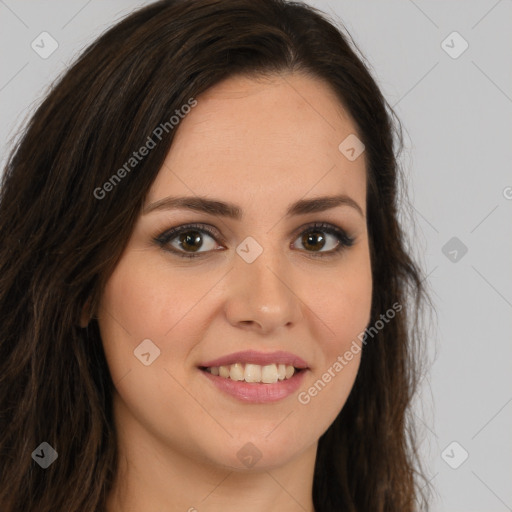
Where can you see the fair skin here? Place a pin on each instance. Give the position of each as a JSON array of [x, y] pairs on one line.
[[262, 145]]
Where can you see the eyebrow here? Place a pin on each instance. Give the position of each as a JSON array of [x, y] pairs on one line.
[[230, 210]]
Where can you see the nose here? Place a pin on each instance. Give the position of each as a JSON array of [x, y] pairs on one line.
[[262, 296]]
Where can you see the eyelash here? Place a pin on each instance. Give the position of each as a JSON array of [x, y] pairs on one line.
[[164, 238]]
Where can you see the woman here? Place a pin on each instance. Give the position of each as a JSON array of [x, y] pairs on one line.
[[206, 299]]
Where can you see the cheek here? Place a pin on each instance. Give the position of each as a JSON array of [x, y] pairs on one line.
[[146, 300], [326, 391], [342, 302], [141, 302], [344, 307]]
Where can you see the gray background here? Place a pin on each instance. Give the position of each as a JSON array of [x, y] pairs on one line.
[[457, 118]]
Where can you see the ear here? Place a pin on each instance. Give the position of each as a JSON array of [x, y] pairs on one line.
[[85, 318]]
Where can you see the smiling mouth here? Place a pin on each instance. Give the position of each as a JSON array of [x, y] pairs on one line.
[[254, 373]]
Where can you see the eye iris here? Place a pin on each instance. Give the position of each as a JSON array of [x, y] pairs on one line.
[[190, 237], [313, 236]]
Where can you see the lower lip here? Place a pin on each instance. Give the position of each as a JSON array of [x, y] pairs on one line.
[[257, 392]]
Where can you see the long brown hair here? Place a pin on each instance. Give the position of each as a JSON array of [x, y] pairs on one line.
[[60, 242]]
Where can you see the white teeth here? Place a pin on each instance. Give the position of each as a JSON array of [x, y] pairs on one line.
[[267, 374], [252, 373], [236, 372]]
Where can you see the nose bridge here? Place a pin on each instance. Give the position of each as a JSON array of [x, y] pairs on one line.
[[261, 291]]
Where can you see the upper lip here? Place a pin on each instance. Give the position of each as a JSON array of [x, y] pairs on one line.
[[260, 358]]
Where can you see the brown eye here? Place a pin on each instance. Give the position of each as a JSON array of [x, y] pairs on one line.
[[316, 237], [314, 241], [192, 241], [188, 241]]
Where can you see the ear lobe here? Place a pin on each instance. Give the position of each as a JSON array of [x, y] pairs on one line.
[[85, 318]]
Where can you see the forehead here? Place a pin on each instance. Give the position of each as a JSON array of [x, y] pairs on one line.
[[268, 139]]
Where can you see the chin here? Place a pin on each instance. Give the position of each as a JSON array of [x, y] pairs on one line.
[[256, 453]]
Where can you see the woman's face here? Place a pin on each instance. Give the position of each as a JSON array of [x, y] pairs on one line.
[[264, 288]]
